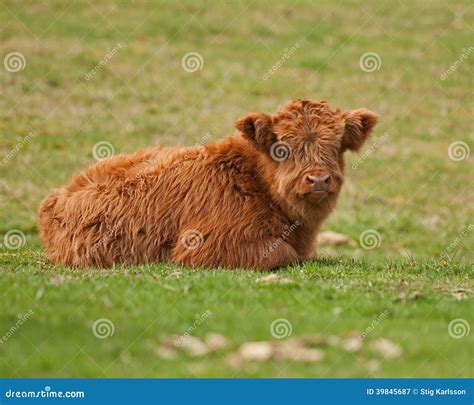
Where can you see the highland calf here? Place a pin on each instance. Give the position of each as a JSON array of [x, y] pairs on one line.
[[254, 200]]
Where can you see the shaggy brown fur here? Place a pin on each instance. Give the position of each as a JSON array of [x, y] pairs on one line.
[[254, 200]]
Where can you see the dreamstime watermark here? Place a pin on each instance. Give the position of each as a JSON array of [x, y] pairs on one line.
[[281, 328], [103, 328], [199, 320], [192, 62], [362, 158], [458, 151], [203, 139], [44, 393], [370, 239], [192, 239], [288, 53], [14, 239], [455, 243], [280, 151], [18, 146], [370, 62], [190, 152], [355, 342], [103, 150], [109, 55], [288, 231], [14, 62], [109, 231], [458, 328], [21, 320], [465, 53]]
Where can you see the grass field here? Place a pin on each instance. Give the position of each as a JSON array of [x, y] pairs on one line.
[[122, 73]]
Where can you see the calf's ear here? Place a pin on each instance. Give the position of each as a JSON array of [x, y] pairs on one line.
[[258, 129], [357, 128]]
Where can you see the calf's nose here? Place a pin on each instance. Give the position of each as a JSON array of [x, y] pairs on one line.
[[318, 183]]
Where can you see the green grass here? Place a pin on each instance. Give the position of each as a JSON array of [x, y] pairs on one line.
[[408, 189]]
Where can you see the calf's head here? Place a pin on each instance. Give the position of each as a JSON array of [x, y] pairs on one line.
[[304, 143]]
